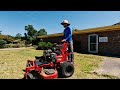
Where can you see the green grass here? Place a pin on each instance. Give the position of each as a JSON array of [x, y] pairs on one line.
[[84, 64], [13, 62]]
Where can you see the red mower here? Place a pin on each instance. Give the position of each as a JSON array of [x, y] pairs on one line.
[[54, 63]]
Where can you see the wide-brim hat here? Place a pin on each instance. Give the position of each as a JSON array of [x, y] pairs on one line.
[[65, 22]]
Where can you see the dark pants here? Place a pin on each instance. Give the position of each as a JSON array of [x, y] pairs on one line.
[[71, 50]]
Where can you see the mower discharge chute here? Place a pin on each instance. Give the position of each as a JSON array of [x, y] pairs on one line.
[[54, 63]]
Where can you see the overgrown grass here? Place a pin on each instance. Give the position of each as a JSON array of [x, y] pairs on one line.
[[13, 62]]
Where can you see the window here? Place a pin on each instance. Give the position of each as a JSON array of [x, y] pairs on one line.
[[93, 43]]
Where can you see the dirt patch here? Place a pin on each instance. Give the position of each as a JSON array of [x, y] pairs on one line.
[[109, 67]]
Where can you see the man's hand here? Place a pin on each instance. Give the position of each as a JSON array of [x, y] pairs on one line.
[[63, 40]]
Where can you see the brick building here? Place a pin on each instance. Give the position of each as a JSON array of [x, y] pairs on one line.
[[102, 40]]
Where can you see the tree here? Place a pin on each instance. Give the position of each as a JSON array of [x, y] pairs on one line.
[[18, 36], [27, 39], [31, 31], [31, 34], [10, 36], [74, 29], [41, 32], [0, 32], [25, 36]]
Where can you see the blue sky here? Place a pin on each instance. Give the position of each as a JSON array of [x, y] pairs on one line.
[[13, 22]]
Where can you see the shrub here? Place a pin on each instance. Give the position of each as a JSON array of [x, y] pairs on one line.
[[8, 39], [8, 46], [44, 45], [12, 46], [22, 45], [49, 45], [2, 43], [16, 46]]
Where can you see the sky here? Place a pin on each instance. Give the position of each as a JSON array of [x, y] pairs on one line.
[[13, 22]]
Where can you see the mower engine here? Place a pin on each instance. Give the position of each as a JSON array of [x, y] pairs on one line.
[[49, 56]]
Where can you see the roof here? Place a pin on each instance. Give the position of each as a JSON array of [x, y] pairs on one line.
[[91, 30]]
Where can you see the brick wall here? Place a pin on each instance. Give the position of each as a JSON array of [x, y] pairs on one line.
[[81, 42], [113, 44]]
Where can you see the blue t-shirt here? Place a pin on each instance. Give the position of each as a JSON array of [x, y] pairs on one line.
[[67, 34]]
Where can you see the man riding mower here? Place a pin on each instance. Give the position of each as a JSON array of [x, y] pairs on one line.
[[54, 63]]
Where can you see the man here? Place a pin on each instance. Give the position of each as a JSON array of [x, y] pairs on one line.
[[68, 38]]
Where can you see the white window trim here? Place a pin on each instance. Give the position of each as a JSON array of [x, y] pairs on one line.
[[96, 43]]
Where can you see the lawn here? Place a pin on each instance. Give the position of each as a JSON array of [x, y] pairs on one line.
[[13, 62]]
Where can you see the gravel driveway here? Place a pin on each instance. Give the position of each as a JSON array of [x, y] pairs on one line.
[[109, 66]]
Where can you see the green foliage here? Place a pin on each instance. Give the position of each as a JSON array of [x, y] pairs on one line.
[[7, 38], [41, 32], [44, 45], [14, 45], [2, 43], [0, 32], [31, 31], [49, 45], [8, 45], [34, 41], [74, 29], [11, 36], [31, 34], [18, 36]]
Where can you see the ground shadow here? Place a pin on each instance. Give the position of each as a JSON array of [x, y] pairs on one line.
[[107, 55], [115, 56], [60, 76]]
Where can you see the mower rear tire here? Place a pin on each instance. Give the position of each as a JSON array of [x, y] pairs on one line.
[[67, 69]]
